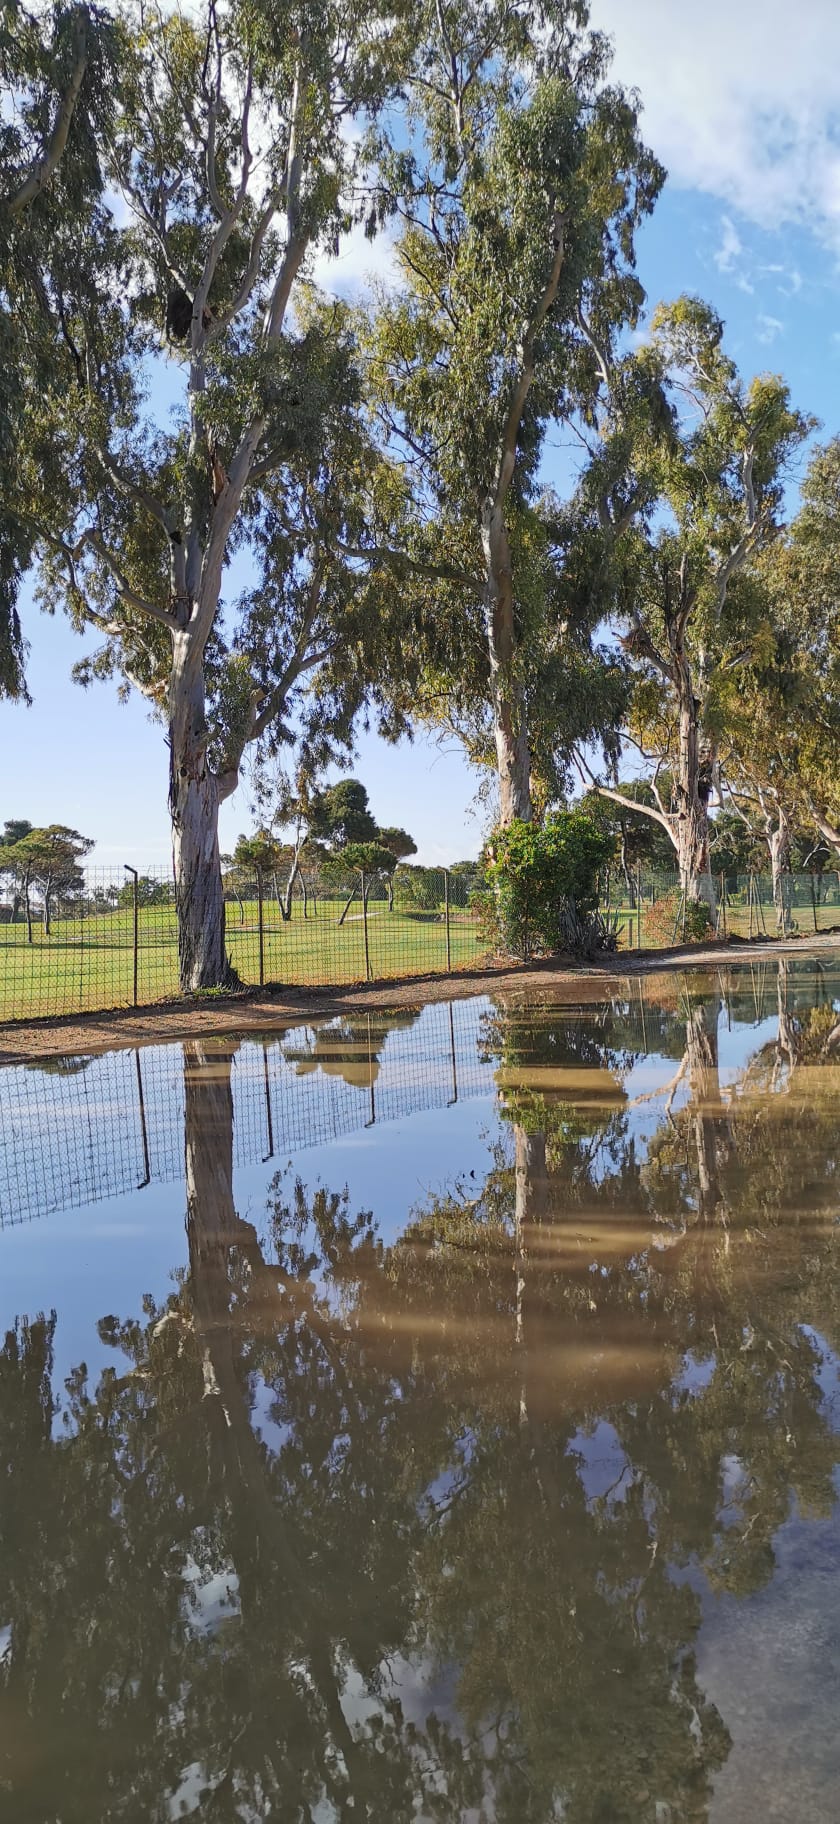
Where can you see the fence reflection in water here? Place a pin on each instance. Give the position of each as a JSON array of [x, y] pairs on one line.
[[79, 1130]]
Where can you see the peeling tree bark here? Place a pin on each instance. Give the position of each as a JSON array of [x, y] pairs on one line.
[[513, 757], [194, 809], [779, 845], [692, 789]]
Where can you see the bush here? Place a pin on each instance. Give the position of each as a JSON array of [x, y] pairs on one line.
[[662, 923], [545, 881]]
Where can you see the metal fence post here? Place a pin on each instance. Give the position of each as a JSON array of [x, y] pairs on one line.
[[261, 925], [813, 900], [365, 924], [446, 913], [136, 943]]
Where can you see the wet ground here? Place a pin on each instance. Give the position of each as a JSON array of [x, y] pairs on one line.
[[429, 1414]]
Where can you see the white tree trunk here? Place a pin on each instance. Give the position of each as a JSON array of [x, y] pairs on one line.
[[779, 844], [510, 720], [692, 796]]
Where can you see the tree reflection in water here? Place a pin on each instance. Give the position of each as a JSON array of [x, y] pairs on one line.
[[335, 1539]]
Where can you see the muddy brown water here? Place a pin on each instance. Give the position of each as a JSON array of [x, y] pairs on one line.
[[429, 1414]]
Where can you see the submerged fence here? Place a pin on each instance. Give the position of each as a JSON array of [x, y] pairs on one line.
[[112, 942]]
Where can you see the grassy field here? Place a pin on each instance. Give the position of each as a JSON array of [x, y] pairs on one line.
[[87, 964], [641, 931]]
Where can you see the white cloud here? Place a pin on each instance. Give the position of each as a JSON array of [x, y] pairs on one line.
[[358, 261], [731, 246], [768, 328], [741, 101]]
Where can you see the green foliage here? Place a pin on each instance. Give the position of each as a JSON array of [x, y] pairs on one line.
[[736, 848], [59, 72], [418, 889], [13, 830], [539, 871], [371, 858], [341, 814], [150, 892], [398, 841], [258, 855]]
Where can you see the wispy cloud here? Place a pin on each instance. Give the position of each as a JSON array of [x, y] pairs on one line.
[[731, 246], [358, 261], [740, 101], [768, 328]]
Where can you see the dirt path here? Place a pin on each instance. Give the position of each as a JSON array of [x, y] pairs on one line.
[[261, 1011]]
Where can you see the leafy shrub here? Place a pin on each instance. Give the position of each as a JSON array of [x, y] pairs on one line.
[[662, 923], [545, 881]]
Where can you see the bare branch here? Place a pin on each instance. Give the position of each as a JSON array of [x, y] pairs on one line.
[[600, 354]]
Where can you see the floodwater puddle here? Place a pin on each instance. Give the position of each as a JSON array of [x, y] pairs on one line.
[[431, 1416]]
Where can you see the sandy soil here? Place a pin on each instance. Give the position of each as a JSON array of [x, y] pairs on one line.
[[263, 1010]]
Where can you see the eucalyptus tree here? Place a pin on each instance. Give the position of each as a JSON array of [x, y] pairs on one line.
[[57, 66], [517, 185], [691, 613], [234, 150], [790, 728]]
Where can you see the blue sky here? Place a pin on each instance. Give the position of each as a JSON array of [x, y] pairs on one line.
[[742, 104]]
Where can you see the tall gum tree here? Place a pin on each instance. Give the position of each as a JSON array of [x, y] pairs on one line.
[[234, 150], [790, 732], [57, 65], [691, 616], [517, 185]]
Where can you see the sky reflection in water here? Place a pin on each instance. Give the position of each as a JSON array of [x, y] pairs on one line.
[[471, 1453]]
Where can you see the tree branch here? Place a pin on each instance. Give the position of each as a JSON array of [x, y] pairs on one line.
[[132, 489], [399, 561], [522, 387], [40, 176], [90, 538], [630, 804], [600, 355], [296, 241]]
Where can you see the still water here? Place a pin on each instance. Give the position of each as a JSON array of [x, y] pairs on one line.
[[429, 1417]]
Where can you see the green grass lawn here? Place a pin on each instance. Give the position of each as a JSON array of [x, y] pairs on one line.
[[805, 922], [87, 963]]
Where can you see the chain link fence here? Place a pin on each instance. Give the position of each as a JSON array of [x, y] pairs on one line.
[[112, 942]]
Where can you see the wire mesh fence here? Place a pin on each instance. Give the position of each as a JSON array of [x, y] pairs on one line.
[[109, 942], [114, 943], [648, 910]]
